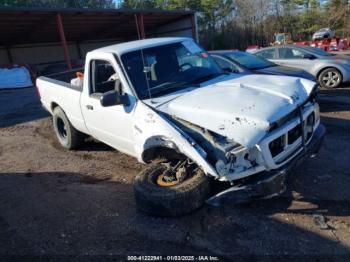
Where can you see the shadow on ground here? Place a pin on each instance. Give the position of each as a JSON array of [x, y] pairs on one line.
[[20, 106], [54, 213], [334, 100], [69, 213]]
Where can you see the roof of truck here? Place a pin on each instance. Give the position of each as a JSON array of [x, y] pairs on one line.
[[135, 45]]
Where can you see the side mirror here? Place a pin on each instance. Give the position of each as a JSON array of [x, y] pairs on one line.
[[309, 56], [113, 98], [227, 69]]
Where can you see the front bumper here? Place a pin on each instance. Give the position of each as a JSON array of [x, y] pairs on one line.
[[268, 184]]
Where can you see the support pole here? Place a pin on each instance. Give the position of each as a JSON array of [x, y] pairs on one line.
[[140, 26], [79, 51], [193, 25], [9, 55], [63, 41]]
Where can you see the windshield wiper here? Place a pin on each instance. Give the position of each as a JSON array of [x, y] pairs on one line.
[[164, 89], [261, 67], [207, 78], [170, 86]]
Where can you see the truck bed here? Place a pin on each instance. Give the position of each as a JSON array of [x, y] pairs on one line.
[[64, 78], [56, 90]]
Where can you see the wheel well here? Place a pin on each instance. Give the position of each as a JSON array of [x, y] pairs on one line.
[[53, 106], [330, 67], [161, 152]]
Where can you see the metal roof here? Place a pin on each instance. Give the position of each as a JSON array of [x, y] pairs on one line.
[[38, 25], [135, 45]]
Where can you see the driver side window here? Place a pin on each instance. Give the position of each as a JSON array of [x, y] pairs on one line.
[[267, 54], [290, 53], [103, 77]]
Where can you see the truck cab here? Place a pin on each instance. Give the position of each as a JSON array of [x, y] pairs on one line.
[[167, 99]]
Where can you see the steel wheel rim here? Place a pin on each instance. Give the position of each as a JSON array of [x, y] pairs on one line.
[[162, 183], [61, 128]]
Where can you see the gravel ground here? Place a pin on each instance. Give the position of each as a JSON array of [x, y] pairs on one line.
[[58, 202]]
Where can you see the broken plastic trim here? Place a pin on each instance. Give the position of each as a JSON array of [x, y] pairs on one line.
[[263, 189], [273, 184]]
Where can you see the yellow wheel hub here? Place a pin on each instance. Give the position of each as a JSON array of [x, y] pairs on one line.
[[161, 182]]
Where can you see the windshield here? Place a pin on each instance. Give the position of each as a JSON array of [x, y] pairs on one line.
[[161, 70], [250, 61]]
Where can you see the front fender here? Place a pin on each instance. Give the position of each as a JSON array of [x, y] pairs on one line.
[[152, 130], [340, 68]]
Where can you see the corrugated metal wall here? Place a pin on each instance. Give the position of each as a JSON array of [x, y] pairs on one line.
[[182, 28], [43, 54]]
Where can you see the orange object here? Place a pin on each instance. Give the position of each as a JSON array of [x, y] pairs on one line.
[[80, 75]]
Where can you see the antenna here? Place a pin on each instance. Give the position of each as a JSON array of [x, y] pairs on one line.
[[143, 61]]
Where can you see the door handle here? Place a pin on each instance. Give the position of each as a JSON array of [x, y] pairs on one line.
[[89, 107]]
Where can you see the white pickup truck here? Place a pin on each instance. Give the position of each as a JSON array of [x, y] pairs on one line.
[[166, 100]]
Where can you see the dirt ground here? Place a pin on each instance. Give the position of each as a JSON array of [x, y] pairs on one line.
[[58, 202]]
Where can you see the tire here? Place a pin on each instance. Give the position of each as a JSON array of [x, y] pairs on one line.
[[66, 134], [175, 200], [330, 78]]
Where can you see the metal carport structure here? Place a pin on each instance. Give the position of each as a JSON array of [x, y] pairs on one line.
[[38, 28]]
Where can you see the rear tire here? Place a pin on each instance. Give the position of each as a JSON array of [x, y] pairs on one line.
[[66, 134], [175, 200], [330, 78]]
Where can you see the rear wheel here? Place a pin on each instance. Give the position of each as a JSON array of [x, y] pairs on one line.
[[330, 78], [159, 195], [66, 134]]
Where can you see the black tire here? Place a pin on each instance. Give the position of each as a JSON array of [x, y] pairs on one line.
[[175, 200], [66, 134], [330, 78]]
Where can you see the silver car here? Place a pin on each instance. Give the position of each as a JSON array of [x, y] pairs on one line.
[[323, 33], [329, 69]]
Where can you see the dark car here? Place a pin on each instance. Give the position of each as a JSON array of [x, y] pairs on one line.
[[245, 63]]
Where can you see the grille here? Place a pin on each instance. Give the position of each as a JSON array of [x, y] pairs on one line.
[[277, 146], [294, 134], [280, 144]]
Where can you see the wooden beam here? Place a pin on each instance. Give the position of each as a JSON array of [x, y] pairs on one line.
[[63, 40]]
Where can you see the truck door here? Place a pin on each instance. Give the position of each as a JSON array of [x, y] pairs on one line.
[[111, 125]]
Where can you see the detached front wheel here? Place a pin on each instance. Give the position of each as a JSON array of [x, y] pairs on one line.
[[158, 195]]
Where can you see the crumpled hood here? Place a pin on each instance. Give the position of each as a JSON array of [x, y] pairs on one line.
[[240, 108]]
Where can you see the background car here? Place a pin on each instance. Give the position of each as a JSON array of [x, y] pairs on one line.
[[329, 69], [245, 63], [323, 33]]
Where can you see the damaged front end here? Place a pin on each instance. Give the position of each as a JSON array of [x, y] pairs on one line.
[[227, 156], [268, 183], [259, 171]]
